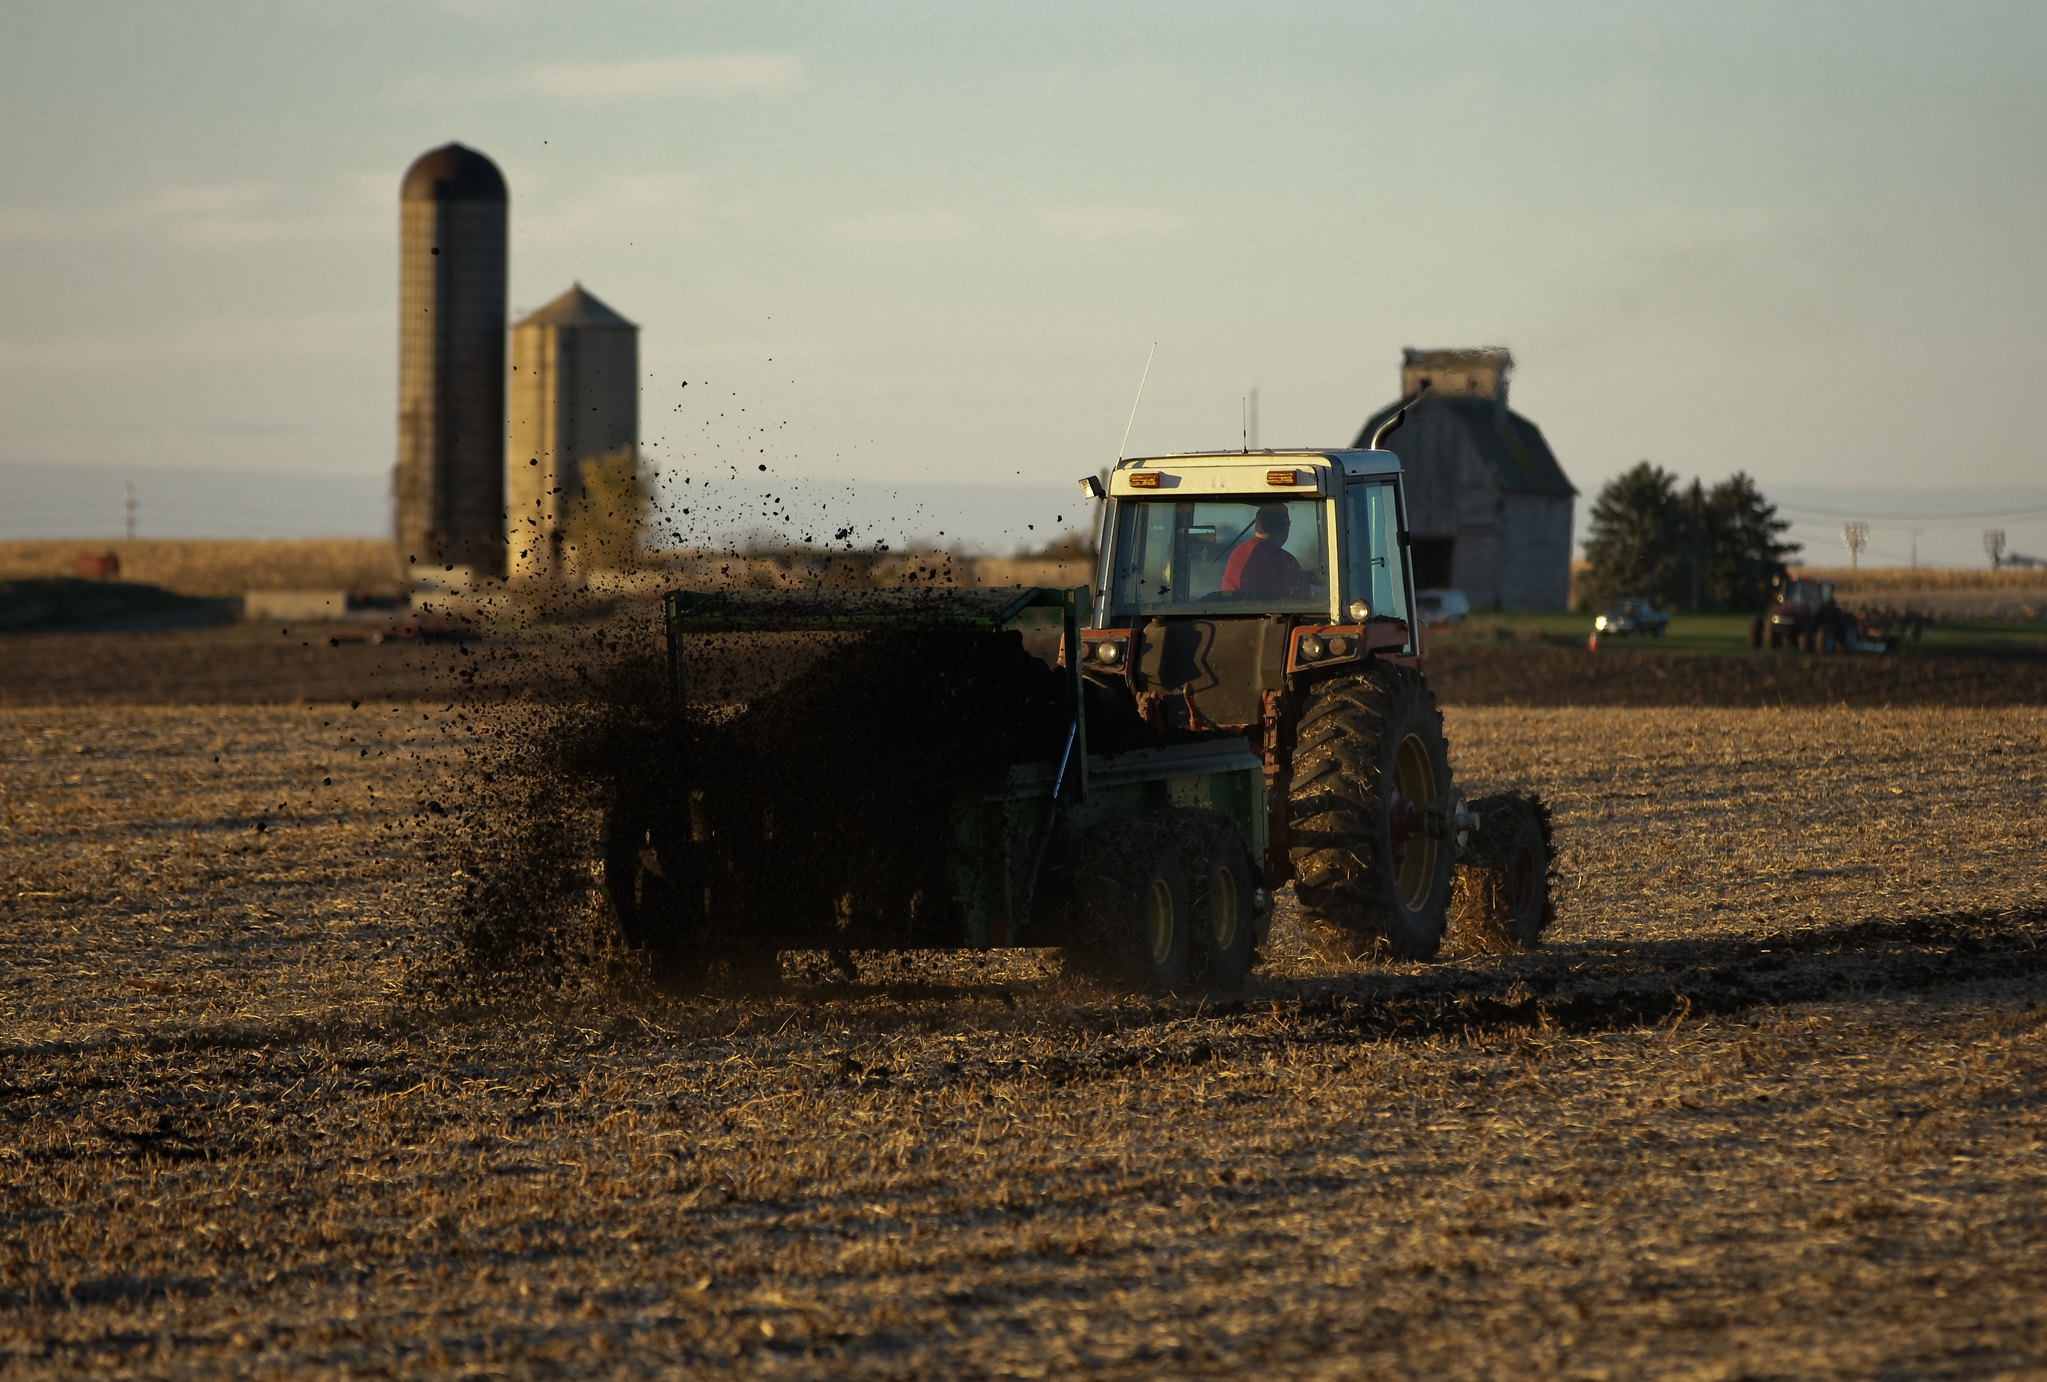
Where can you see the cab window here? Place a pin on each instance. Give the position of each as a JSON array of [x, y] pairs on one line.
[[1220, 556], [1377, 573]]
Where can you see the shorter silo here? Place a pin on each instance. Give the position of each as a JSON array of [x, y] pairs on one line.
[[575, 398]]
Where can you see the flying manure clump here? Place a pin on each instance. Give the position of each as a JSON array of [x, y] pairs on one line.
[[528, 797]]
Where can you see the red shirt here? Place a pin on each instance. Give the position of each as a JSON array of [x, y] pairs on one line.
[[1264, 568]]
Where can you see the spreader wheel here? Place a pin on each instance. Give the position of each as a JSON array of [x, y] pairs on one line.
[[655, 897], [1503, 898]]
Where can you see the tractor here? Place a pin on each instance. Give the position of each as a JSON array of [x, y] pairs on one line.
[[1803, 614], [1126, 771]]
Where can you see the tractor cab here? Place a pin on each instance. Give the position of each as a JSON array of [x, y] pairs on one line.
[[1227, 576], [1805, 594]]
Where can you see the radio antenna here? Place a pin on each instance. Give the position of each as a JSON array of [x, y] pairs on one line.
[[1134, 402]]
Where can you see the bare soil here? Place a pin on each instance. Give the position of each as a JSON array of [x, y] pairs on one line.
[[1526, 675], [273, 664], [1768, 1103], [259, 664]]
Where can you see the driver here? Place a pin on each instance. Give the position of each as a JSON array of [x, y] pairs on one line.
[[1263, 568]]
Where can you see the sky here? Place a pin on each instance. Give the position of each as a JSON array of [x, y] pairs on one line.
[[915, 256]]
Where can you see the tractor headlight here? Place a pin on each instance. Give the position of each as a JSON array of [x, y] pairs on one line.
[[1108, 653], [1312, 647], [1339, 646], [1359, 611]]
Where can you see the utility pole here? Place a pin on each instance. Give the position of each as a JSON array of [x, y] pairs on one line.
[[129, 504], [1993, 546], [1915, 547], [1855, 537]]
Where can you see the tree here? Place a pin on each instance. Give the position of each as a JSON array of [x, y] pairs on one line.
[[1640, 541], [606, 521], [1743, 545], [1696, 549]]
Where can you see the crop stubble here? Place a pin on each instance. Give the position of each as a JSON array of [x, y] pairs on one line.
[[1767, 1104]]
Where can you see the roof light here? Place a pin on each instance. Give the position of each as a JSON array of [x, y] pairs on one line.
[[1144, 479], [1282, 477]]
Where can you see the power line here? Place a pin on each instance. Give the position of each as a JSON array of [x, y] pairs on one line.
[[1916, 520]]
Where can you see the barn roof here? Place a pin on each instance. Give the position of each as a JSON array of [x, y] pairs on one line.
[[1511, 444], [576, 307]]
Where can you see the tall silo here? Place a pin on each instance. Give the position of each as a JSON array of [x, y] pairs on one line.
[[575, 397], [450, 483]]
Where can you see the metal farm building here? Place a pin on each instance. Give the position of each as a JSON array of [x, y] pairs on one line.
[[450, 481], [1489, 508], [575, 398]]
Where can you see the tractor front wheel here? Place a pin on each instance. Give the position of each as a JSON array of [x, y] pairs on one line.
[[1503, 899], [1224, 939], [1132, 930], [1369, 811]]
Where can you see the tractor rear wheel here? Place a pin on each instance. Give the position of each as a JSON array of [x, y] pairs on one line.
[[1503, 899], [1132, 930], [1369, 811]]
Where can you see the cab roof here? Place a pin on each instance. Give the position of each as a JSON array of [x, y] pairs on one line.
[[1351, 460], [1245, 472]]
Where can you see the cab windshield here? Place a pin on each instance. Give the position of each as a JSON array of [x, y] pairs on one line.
[[1220, 556]]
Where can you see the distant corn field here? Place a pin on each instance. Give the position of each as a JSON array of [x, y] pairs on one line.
[[1884, 579], [227, 567], [1899, 580], [220, 566]]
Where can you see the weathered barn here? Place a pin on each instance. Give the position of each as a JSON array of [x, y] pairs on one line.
[[575, 398], [1489, 508]]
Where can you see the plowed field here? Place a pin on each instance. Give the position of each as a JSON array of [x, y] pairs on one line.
[[1769, 1102]]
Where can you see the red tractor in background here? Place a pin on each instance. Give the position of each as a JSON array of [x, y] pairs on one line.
[[1804, 614]]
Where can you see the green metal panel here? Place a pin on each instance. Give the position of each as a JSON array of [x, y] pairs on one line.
[[1001, 839]]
